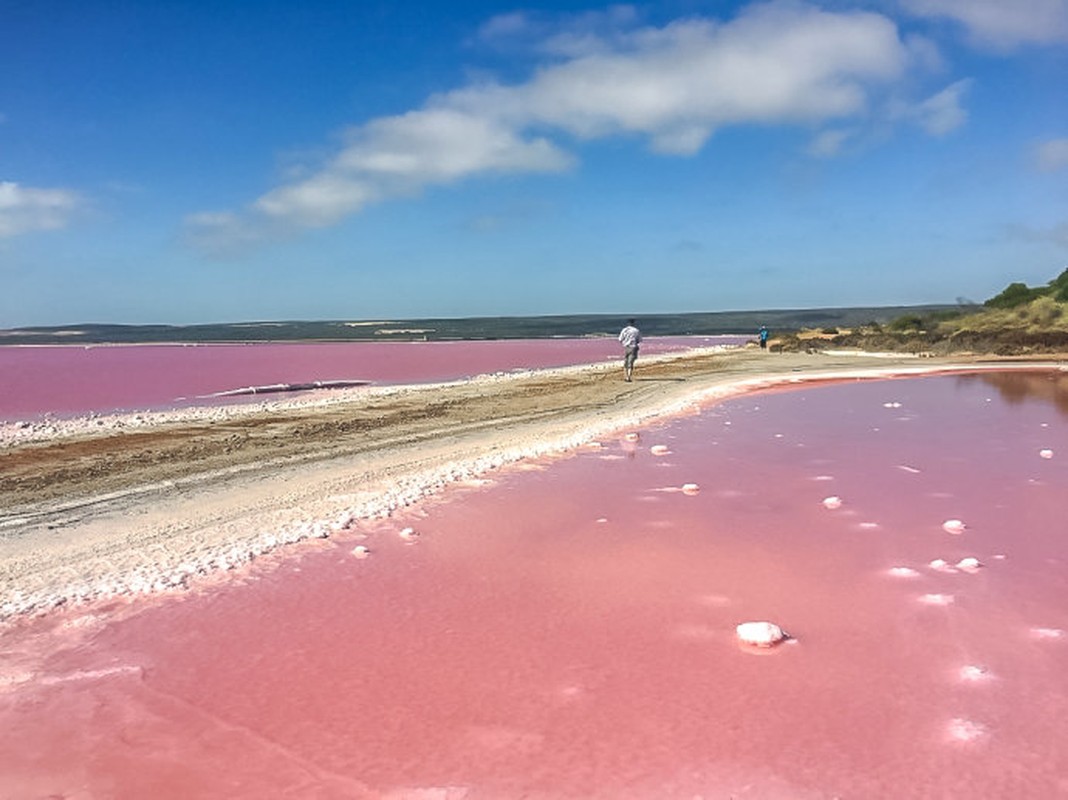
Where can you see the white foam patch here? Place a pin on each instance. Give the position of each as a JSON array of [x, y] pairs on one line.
[[965, 730], [868, 526], [601, 520], [902, 572], [823, 478], [936, 599], [892, 404], [954, 526], [832, 502]]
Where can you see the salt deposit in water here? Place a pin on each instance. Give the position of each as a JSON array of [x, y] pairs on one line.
[[965, 730], [969, 564], [760, 634], [659, 450], [973, 673], [1047, 633], [954, 526], [902, 572], [1046, 453], [360, 551], [937, 599], [832, 502]]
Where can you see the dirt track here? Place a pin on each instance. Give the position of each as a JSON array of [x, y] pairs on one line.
[[147, 507]]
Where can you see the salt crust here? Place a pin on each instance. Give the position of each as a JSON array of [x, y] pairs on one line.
[[162, 577]]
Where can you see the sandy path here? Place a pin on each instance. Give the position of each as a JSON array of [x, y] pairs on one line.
[[145, 502]]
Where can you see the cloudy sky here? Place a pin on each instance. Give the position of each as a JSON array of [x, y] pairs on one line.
[[191, 161]]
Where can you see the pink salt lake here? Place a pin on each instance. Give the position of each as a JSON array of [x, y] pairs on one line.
[[568, 631], [70, 380]]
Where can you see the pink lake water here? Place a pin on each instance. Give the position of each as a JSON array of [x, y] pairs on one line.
[[568, 630], [73, 380]]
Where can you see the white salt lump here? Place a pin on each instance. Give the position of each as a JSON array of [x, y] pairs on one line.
[[969, 564], [832, 502], [690, 488], [760, 634], [1046, 453], [954, 526]]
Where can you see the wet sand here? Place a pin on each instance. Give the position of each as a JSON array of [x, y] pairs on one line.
[[135, 503]]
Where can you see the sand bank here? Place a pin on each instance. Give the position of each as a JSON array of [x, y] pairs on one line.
[[120, 504]]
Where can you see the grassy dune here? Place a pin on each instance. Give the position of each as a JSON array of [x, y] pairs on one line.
[[1021, 320]]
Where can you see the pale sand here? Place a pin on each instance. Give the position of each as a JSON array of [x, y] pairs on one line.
[[121, 504]]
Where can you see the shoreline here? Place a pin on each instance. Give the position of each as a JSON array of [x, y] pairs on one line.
[[303, 469]]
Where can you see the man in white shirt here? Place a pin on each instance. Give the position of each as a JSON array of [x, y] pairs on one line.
[[630, 337]]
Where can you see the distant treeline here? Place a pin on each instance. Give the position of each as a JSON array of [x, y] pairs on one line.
[[468, 328]]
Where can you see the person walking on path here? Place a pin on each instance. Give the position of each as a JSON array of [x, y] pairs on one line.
[[630, 337], [763, 337]]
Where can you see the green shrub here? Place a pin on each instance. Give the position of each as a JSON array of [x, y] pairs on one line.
[[909, 322], [1013, 295]]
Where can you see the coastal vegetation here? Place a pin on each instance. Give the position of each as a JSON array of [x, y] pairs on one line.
[[1019, 320]]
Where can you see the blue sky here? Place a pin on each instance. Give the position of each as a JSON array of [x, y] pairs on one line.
[[195, 162]]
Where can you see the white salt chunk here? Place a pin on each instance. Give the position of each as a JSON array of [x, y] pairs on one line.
[[1046, 453], [1047, 633], [360, 551], [690, 488], [965, 730], [954, 526], [969, 564], [760, 634], [936, 599], [972, 673], [832, 502], [903, 572], [941, 565], [408, 534], [659, 450]]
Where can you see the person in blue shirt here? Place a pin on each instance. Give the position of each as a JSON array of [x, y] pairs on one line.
[[763, 338]]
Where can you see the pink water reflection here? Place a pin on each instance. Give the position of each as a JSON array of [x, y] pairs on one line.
[[71, 380], [568, 633]]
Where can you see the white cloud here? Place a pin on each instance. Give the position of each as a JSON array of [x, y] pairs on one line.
[[828, 143], [24, 208], [1052, 155], [1001, 24], [777, 63], [942, 113]]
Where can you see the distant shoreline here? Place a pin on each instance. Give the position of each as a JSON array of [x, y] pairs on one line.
[[713, 323]]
